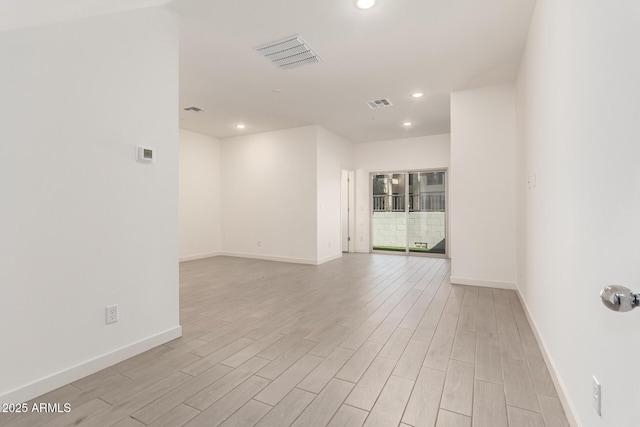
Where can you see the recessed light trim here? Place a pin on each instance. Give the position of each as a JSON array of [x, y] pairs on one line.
[[241, 126], [407, 124], [417, 94], [365, 4]]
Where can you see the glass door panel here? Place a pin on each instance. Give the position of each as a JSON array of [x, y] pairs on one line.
[[388, 221], [426, 219]]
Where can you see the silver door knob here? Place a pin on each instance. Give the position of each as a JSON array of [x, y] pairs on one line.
[[619, 298]]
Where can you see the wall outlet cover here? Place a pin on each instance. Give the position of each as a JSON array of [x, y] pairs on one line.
[[111, 313]]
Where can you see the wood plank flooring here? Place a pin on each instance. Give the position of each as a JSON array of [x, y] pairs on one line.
[[365, 340]]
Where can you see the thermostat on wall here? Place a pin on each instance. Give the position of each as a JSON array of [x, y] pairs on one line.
[[145, 154]]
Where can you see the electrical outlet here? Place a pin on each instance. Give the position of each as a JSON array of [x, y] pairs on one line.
[[259, 243], [596, 392], [329, 244], [111, 312]]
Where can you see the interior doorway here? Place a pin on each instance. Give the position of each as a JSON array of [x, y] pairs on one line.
[[409, 212]]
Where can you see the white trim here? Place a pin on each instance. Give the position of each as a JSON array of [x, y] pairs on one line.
[[271, 258], [264, 257], [329, 258], [569, 410], [352, 211], [482, 283], [199, 256], [59, 379]]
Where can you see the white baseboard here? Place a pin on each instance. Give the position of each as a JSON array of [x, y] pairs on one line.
[[198, 256], [482, 283], [560, 388], [59, 379], [329, 258], [271, 258], [264, 257]]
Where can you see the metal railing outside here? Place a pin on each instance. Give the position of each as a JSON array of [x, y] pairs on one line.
[[418, 202]]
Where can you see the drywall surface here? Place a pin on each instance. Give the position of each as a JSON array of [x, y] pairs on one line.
[[578, 102], [83, 224], [269, 195], [334, 154], [422, 153], [200, 193], [482, 188]]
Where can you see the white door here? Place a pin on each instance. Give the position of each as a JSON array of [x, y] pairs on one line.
[[346, 210]]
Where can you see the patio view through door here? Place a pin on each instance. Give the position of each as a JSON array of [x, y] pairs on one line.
[[409, 212]]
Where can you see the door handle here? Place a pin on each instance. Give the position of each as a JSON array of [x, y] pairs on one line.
[[619, 298]]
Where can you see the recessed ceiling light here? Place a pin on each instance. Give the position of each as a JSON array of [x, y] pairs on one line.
[[417, 94], [241, 126], [407, 124], [365, 4]]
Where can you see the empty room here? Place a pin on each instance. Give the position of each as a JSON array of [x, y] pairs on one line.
[[319, 213]]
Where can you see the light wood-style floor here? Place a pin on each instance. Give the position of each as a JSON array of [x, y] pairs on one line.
[[371, 340]]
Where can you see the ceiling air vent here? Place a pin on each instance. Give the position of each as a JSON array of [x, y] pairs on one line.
[[288, 53], [194, 109], [379, 103]]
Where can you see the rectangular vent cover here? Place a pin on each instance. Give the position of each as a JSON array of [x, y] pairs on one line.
[[379, 103], [288, 53]]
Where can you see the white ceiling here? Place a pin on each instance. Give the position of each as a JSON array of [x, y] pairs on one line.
[[395, 48], [16, 14]]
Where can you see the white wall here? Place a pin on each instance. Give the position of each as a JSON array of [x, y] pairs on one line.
[[280, 188], [334, 154], [84, 225], [482, 187], [200, 193], [269, 195], [578, 101], [427, 152]]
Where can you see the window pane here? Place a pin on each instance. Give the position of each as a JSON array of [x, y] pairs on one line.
[[426, 219], [389, 219]]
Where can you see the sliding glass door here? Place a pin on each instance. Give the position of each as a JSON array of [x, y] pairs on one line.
[[409, 212], [389, 219], [426, 212]]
